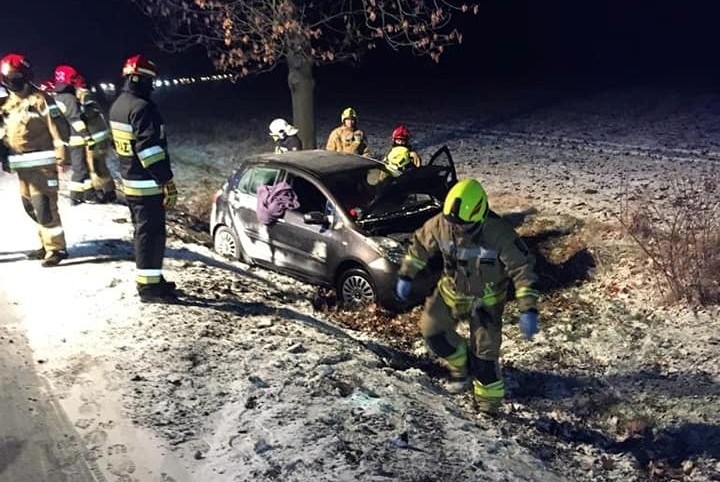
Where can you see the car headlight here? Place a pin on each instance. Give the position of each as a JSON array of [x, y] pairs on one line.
[[388, 248]]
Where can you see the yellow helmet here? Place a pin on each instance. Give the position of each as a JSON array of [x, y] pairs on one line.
[[348, 113], [398, 160], [466, 203]]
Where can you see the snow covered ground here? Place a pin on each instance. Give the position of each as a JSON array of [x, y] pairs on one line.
[[246, 381]]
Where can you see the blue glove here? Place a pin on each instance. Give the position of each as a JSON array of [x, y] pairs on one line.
[[529, 324], [403, 288]]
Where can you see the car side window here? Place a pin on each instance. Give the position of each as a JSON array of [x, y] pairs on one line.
[[308, 195], [256, 177]]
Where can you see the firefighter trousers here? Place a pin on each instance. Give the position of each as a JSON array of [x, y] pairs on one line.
[[80, 178], [39, 193], [438, 325], [100, 176], [148, 218]]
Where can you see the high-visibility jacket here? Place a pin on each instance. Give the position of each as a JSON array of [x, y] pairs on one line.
[[67, 102], [478, 266], [346, 139], [33, 126], [96, 122], [139, 139]]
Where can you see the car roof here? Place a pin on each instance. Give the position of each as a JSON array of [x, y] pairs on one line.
[[316, 161]]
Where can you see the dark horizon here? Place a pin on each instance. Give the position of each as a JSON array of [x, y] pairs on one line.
[[508, 39]]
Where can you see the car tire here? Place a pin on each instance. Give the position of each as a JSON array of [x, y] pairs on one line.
[[227, 244], [356, 287]]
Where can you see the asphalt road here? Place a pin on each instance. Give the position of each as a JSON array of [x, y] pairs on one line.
[[37, 441]]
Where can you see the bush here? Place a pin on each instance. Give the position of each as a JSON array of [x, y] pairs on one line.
[[678, 228]]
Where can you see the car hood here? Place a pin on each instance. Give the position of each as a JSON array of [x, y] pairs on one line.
[[378, 220]]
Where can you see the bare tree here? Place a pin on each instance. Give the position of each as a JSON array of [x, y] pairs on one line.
[[253, 36]]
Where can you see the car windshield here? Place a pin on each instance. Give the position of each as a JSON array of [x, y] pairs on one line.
[[373, 191]]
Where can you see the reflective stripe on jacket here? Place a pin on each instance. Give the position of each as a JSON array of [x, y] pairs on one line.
[[139, 140], [343, 139], [32, 159], [33, 125], [478, 265]]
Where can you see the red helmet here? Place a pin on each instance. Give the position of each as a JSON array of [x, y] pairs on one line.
[[65, 74], [139, 65], [15, 64], [401, 133]]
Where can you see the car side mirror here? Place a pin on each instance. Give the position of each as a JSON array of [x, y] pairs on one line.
[[315, 217]]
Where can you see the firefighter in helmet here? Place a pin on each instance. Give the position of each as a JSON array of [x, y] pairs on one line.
[[347, 137], [32, 126], [147, 178], [401, 138], [81, 188], [285, 136], [97, 147], [482, 254]]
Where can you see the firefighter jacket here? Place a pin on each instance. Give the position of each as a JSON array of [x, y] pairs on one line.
[[290, 143], [139, 139], [32, 126], [346, 139], [70, 107], [96, 123], [478, 265]]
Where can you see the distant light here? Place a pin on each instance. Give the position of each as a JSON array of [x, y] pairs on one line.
[[158, 83], [166, 82]]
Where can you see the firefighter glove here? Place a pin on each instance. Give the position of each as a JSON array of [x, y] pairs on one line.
[[6, 165], [529, 324], [403, 288], [169, 194], [358, 136]]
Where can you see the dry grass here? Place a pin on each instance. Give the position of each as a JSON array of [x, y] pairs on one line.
[[678, 230]]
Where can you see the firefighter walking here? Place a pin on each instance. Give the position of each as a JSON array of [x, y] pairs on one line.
[[32, 126], [482, 254], [147, 179]]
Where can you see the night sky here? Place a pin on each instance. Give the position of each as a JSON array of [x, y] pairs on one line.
[[653, 38]]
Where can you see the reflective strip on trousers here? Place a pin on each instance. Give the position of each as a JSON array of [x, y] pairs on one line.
[[151, 155], [146, 187], [32, 159], [491, 390], [148, 276]]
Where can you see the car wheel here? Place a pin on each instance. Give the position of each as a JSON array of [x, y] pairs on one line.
[[355, 287], [227, 244]]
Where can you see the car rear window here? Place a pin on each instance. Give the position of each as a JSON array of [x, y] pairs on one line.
[[256, 177]]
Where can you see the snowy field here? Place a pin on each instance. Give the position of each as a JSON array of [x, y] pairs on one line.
[[247, 381]]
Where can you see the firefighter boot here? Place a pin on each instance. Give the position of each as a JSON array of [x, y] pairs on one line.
[[53, 258], [457, 365], [36, 254], [76, 197], [108, 197], [156, 293], [488, 397]]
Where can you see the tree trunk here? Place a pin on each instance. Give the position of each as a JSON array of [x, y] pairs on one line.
[[302, 92]]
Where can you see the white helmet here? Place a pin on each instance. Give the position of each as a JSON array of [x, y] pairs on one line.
[[280, 129]]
